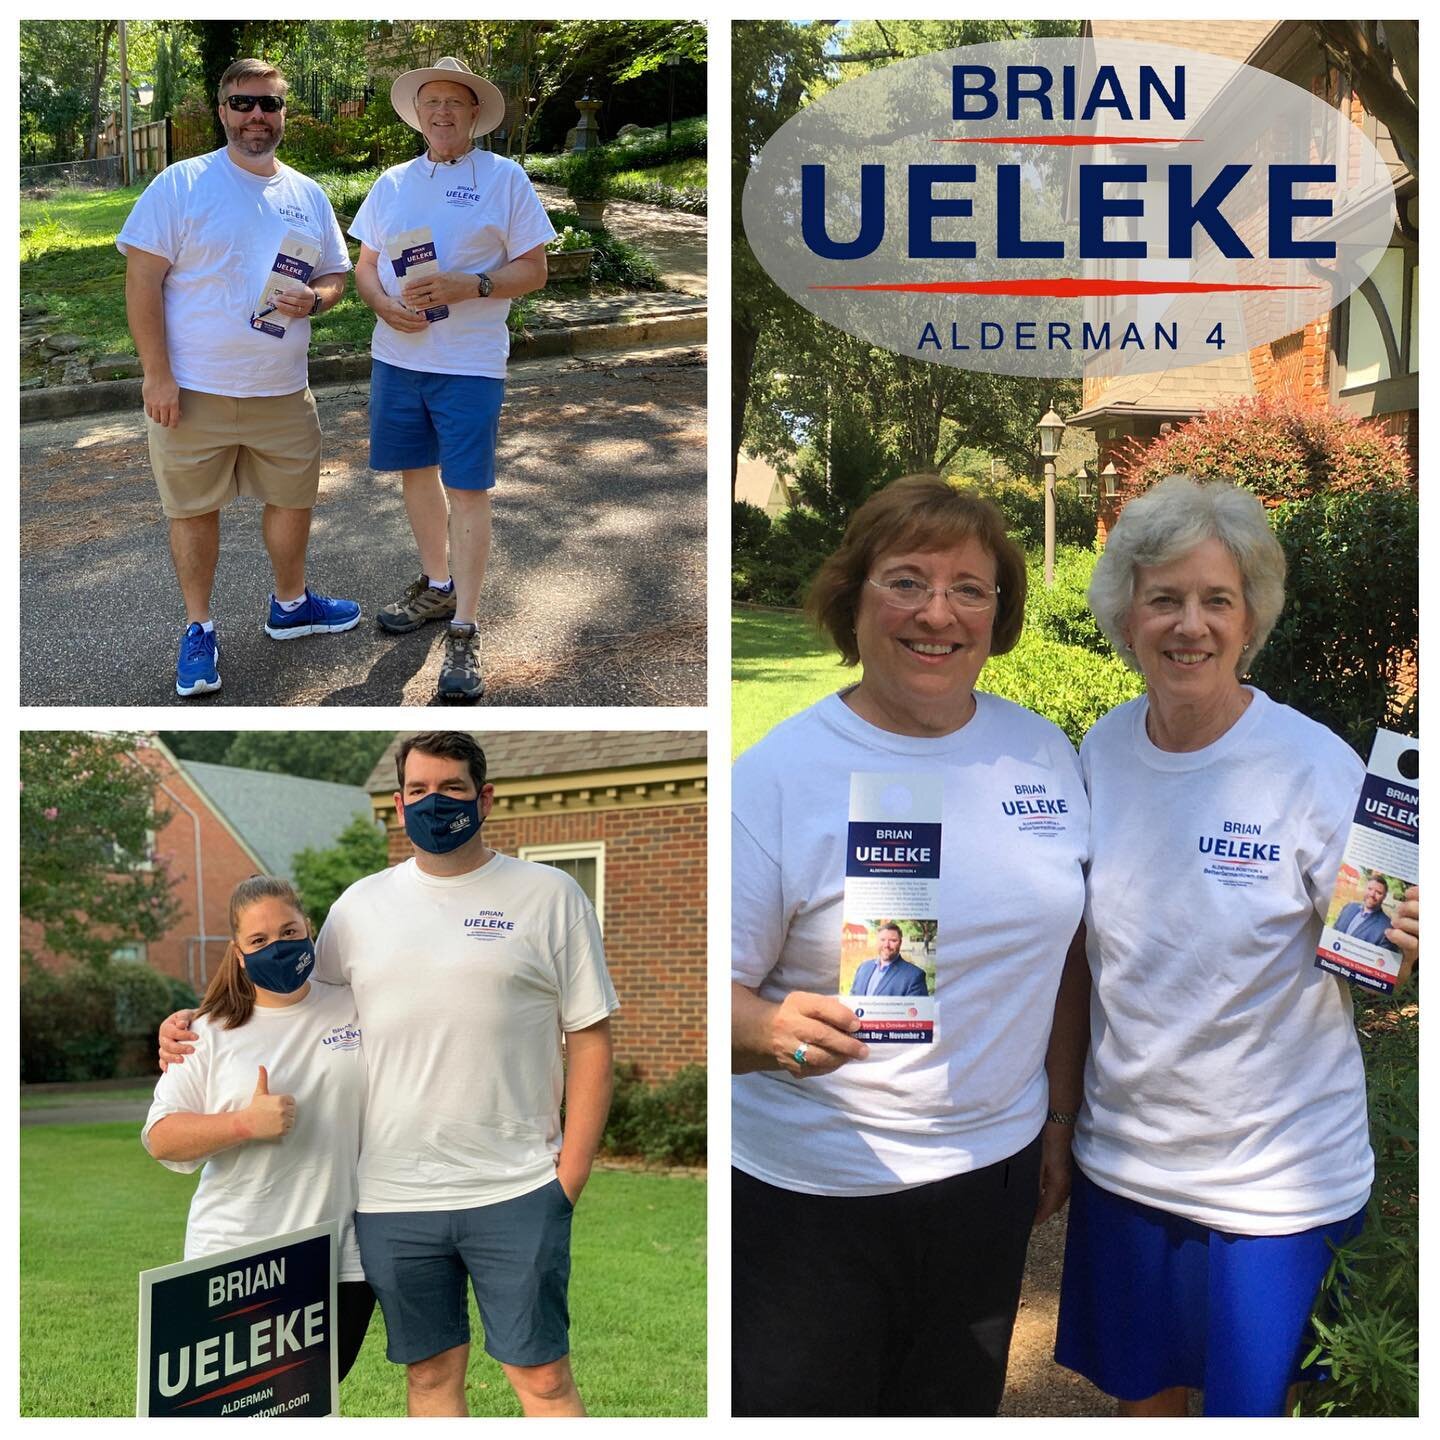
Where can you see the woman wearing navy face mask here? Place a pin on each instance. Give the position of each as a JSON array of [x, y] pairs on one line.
[[270, 1102]]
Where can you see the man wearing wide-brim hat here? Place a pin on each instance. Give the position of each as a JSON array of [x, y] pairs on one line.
[[440, 343]]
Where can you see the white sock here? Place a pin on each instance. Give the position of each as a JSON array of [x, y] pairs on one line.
[[447, 584], [208, 626], [288, 605]]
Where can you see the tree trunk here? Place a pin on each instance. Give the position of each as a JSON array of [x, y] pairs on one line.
[[744, 335], [97, 83]]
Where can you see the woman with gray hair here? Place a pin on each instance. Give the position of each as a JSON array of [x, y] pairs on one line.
[[1222, 1150]]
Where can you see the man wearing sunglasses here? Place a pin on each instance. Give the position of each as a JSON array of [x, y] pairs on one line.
[[441, 344], [226, 386]]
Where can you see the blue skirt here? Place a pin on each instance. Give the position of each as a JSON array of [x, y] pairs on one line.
[[1149, 1300]]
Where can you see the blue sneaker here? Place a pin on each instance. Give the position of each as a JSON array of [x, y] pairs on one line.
[[319, 615], [195, 670]]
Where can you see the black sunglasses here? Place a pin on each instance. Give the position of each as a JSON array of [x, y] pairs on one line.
[[246, 103]]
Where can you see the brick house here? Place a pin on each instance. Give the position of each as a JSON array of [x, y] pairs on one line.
[[624, 813], [221, 825], [1362, 356]]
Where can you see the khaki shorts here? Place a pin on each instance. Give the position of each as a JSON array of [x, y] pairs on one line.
[[262, 445]]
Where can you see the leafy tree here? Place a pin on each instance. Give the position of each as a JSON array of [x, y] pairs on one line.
[[1370, 53], [207, 745], [321, 876], [343, 756], [88, 814]]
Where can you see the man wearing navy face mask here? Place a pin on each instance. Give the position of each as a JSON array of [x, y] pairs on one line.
[[467, 966]]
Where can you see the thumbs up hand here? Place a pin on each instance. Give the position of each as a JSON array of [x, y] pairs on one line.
[[269, 1117]]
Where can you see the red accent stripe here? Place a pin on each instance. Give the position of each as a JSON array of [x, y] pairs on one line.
[[244, 1384], [1065, 140], [1059, 289], [246, 1309]]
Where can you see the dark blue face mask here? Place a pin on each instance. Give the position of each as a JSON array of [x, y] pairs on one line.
[[439, 824], [282, 966]]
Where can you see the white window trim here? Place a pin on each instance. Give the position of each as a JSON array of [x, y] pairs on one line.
[[574, 850]]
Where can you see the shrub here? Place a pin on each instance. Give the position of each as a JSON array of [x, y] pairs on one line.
[[86, 1022], [1072, 687], [586, 174], [775, 568], [1062, 612], [1350, 628], [1280, 449], [617, 262], [311, 144], [664, 1123], [1022, 502], [1367, 1318], [655, 192]]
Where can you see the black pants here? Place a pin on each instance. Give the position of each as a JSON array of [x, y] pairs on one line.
[[355, 1301], [879, 1305]]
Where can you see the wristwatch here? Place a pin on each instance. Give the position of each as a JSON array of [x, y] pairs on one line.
[[484, 285], [315, 308], [1060, 1117]]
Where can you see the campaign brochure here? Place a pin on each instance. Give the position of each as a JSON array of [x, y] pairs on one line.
[[1382, 858], [243, 1333], [412, 254], [294, 264], [892, 883]]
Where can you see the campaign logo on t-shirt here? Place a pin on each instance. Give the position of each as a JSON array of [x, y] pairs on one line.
[[489, 925], [1036, 810], [295, 215], [342, 1037], [461, 196], [1239, 855]]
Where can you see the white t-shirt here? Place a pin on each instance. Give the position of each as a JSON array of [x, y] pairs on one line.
[[1224, 1081], [1012, 890], [464, 985], [483, 212], [310, 1050], [221, 227]]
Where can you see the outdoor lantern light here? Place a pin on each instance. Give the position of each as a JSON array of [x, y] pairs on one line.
[[1084, 484], [1051, 427], [1108, 477]]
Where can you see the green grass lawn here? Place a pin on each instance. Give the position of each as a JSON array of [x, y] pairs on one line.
[[95, 1210], [779, 666]]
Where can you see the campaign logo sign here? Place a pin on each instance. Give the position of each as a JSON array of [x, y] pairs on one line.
[[1059, 207], [342, 1037], [489, 925], [246, 1332], [909, 848]]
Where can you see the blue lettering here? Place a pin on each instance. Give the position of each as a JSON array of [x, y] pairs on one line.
[[1186, 213], [1008, 242], [1096, 207], [961, 77], [925, 206], [872, 214], [1285, 206]]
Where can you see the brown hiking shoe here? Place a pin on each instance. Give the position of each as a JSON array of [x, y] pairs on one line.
[[460, 670], [418, 604]]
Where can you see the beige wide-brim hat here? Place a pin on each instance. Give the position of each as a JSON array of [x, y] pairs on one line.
[[405, 88]]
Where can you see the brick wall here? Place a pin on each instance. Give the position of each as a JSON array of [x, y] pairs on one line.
[[654, 919]]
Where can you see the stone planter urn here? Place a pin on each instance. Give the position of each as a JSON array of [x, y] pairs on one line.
[[591, 213], [569, 264]]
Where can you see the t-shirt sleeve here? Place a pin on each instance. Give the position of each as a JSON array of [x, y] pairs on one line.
[[586, 994], [367, 225], [336, 258], [529, 224], [757, 907], [154, 222], [330, 967], [1322, 846], [182, 1090]]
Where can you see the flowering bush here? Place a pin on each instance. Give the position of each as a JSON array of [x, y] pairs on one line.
[[1280, 449]]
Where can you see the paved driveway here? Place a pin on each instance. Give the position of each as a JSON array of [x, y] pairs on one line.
[[596, 592]]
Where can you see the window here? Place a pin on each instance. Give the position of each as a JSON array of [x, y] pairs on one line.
[[1377, 341], [582, 860], [133, 954]]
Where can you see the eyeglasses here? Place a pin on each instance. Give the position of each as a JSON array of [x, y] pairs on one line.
[[907, 593], [244, 104], [431, 106]]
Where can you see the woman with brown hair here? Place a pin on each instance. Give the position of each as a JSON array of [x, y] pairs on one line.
[[883, 1193], [271, 1099]]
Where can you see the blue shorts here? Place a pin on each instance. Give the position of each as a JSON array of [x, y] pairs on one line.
[[1149, 1300], [517, 1256], [418, 419]]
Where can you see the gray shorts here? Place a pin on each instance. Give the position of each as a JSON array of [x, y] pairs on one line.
[[517, 1255]]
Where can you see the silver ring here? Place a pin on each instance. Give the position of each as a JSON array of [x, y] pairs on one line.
[[799, 1055]]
